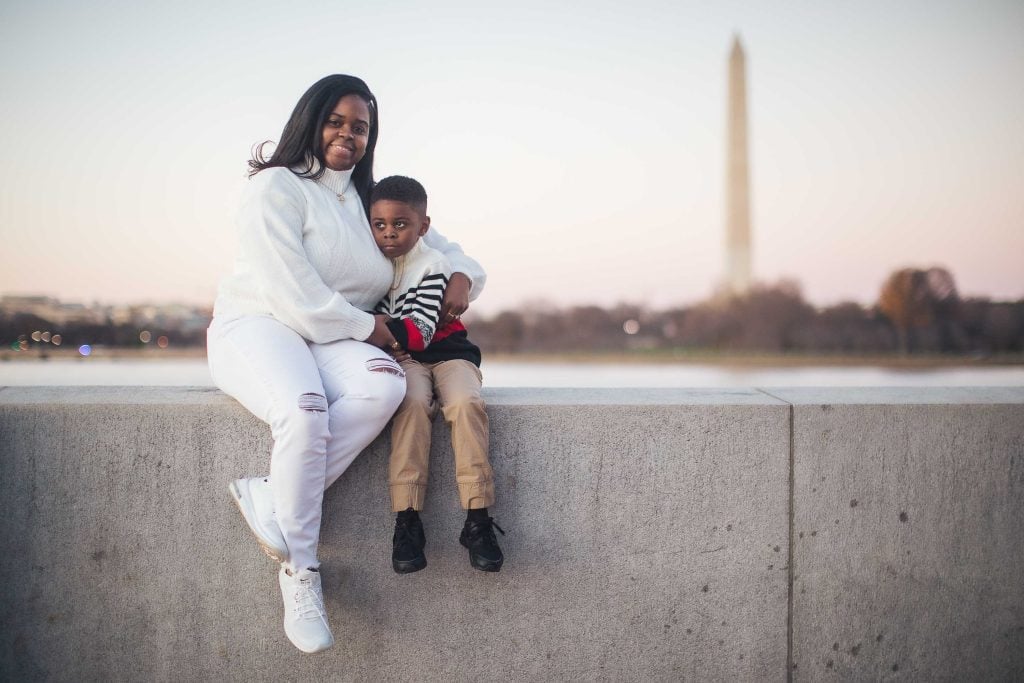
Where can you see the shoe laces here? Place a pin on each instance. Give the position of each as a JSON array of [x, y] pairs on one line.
[[309, 604], [403, 533], [485, 529]]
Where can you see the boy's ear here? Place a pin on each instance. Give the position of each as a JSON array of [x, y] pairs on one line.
[[425, 226]]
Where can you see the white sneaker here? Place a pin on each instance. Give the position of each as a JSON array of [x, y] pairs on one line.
[[305, 619], [256, 502]]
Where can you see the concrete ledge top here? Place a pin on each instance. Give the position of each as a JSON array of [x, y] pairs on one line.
[[155, 395], [897, 395], [627, 396], [106, 395]]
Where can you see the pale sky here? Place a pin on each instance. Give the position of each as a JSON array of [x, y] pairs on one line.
[[576, 150]]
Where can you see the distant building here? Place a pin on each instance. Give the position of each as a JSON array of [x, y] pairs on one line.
[[49, 309], [737, 185], [183, 318]]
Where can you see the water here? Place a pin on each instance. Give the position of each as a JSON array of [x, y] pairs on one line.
[[193, 372]]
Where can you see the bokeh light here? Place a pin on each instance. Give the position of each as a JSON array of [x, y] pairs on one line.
[[85, 349], [37, 335], [631, 326], [145, 336], [45, 336], [162, 342], [56, 340]]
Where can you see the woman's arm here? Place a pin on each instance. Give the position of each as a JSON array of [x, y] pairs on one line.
[[468, 267], [467, 279], [271, 220]]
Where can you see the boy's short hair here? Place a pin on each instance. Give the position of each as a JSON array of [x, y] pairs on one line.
[[399, 188]]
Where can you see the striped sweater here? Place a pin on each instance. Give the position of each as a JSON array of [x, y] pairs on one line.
[[414, 305]]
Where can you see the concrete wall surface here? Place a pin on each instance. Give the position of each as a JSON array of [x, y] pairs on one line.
[[908, 543], [652, 535]]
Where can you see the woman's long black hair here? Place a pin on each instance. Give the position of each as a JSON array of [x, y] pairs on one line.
[[301, 139]]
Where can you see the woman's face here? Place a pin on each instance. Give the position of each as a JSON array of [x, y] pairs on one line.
[[346, 133]]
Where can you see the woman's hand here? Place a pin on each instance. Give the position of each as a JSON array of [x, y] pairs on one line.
[[456, 298], [381, 336]]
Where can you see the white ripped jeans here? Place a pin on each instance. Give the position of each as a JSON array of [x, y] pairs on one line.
[[324, 403]]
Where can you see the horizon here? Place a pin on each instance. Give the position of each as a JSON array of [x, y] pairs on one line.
[[881, 137], [528, 304]]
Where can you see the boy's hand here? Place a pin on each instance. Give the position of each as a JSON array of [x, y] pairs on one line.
[[399, 354], [456, 298]]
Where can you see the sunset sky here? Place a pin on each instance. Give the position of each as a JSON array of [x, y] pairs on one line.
[[576, 150]]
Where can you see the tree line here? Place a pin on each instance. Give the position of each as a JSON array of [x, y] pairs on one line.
[[918, 311]]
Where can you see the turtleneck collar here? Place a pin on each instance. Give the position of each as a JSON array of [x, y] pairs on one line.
[[336, 181]]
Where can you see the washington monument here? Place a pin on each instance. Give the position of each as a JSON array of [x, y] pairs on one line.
[[737, 184]]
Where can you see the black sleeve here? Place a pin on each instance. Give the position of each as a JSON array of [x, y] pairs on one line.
[[397, 328]]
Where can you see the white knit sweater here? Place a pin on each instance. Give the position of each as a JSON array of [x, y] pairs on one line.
[[309, 260]]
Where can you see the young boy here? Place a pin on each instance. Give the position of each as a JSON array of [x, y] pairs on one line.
[[443, 370]]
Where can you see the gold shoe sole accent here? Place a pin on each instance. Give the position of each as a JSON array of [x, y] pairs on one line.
[[268, 550]]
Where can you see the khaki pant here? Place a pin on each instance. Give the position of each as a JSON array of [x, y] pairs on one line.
[[453, 385]]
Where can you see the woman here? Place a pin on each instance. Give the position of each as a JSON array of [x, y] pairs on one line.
[[290, 338]]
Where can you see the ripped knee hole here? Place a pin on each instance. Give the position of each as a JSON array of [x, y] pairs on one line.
[[385, 365], [313, 403]]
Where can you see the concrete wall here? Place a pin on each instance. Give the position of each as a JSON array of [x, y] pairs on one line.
[[908, 521], [652, 536]]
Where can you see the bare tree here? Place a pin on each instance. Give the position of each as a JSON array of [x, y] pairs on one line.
[[920, 303]]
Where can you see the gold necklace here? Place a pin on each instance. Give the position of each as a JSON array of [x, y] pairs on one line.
[[341, 195]]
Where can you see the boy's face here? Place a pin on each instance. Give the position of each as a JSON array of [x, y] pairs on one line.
[[397, 226]]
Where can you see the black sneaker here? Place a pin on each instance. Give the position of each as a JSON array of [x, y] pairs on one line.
[[408, 543], [478, 537]]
